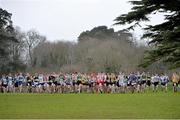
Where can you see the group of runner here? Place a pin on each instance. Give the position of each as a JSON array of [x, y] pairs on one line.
[[86, 82]]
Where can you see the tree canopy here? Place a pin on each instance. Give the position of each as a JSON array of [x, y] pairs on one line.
[[164, 37], [7, 40], [99, 49], [5, 29]]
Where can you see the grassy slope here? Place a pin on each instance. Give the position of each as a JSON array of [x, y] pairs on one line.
[[148, 105]]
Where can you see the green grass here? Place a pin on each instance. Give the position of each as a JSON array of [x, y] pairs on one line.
[[142, 105]]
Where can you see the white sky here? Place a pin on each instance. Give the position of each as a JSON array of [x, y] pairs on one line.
[[66, 19]]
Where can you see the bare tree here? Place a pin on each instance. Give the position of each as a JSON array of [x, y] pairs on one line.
[[32, 39]]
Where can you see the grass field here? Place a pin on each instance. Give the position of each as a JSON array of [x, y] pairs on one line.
[[142, 105]]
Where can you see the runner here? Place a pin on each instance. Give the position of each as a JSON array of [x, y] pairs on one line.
[[52, 83], [113, 83], [164, 82], [46, 83], [100, 82], [133, 81], [16, 83], [21, 82], [10, 81], [121, 82], [155, 80], [4, 84], [41, 83], [29, 82], [175, 80], [148, 81], [79, 83], [74, 81], [142, 81]]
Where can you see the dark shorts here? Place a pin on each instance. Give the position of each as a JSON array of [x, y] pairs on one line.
[[29, 83], [55, 82], [50, 83], [142, 82], [128, 84], [175, 84], [5, 85], [107, 83], [16, 84], [67, 83], [112, 82], [41, 84], [148, 83], [90, 84], [74, 83], [58, 83], [163, 84], [139, 83], [118, 84], [155, 83], [85, 83], [20, 83], [79, 82]]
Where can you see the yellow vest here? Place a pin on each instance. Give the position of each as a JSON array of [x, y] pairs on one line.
[[175, 78]]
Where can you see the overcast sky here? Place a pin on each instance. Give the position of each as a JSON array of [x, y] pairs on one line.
[[66, 19]]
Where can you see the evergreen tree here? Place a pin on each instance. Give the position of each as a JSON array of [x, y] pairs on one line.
[[165, 37], [6, 40]]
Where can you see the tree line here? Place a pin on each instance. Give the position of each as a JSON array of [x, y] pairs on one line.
[[99, 49]]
